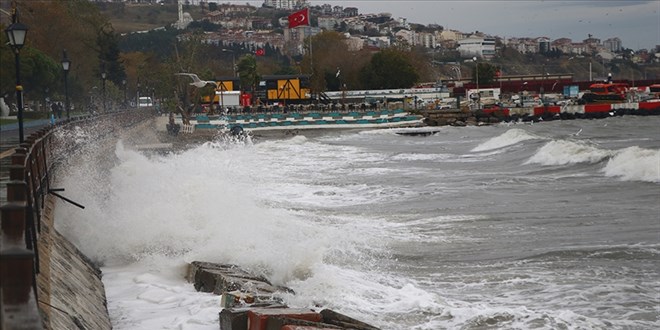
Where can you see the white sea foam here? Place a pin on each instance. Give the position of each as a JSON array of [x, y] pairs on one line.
[[158, 214], [368, 295], [635, 164], [422, 157], [563, 152], [329, 218], [510, 137]]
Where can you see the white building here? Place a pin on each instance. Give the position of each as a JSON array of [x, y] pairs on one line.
[[286, 4], [328, 22], [407, 36], [354, 43], [613, 44], [482, 47], [427, 40]]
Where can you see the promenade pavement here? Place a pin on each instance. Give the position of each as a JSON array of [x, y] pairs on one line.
[[9, 132]]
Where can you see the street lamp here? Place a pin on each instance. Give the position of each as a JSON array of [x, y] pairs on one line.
[[476, 65], [123, 84], [137, 99], [233, 60], [16, 33], [103, 74], [543, 74], [66, 64]]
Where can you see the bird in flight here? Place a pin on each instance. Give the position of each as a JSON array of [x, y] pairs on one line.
[[196, 81]]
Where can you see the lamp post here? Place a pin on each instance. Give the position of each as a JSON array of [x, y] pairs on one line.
[[542, 85], [66, 64], [233, 59], [103, 75], [476, 65], [123, 85], [16, 33], [137, 98]]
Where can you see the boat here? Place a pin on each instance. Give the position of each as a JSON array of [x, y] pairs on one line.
[[654, 91], [608, 92]]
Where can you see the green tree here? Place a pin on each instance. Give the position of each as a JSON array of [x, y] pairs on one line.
[[487, 73], [247, 71], [54, 26], [41, 75], [390, 68], [108, 52], [327, 52]]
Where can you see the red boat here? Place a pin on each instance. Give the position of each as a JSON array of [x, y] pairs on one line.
[[606, 93]]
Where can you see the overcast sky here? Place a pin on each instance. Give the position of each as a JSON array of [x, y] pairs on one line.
[[637, 23]]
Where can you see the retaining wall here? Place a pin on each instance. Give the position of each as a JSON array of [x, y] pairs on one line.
[[45, 281]]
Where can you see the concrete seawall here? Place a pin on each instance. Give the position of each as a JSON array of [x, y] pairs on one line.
[[46, 282], [70, 292]]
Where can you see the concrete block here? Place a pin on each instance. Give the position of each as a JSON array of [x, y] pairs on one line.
[[279, 322], [341, 320], [258, 317], [233, 319], [304, 327]]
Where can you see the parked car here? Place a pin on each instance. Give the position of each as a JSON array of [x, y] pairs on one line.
[[145, 101]]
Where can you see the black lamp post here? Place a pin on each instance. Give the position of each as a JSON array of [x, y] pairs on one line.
[[137, 99], [16, 33], [123, 84], [476, 66], [233, 59], [66, 64], [103, 78]]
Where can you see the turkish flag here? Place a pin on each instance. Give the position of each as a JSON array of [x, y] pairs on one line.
[[260, 52], [299, 18]]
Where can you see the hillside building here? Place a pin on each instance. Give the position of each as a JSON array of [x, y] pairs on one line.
[[482, 47], [286, 4]]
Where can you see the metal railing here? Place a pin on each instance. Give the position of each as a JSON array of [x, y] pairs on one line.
[[19, 255]]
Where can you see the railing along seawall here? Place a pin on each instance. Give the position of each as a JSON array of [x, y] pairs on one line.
[[31, 172]]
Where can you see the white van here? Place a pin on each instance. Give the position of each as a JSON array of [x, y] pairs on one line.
[[145, 101]]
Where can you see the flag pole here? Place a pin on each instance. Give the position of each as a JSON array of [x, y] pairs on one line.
[[311, 53]]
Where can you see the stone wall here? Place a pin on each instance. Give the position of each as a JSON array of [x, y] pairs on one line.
[[70, 292]]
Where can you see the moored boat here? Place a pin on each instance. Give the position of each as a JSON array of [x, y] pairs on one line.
[[608, 92]]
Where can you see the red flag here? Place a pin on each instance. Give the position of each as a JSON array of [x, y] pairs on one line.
[[299, 18], [260, 52]]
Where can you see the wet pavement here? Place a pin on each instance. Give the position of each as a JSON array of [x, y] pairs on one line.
[[8, 141]]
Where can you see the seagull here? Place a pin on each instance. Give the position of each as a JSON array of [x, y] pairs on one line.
[[196, 81]]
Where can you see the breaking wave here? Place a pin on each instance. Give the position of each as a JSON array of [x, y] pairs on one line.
[[510, 137], [635, 164], [563, 152]]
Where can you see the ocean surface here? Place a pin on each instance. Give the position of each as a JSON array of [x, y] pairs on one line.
[[551, 225]]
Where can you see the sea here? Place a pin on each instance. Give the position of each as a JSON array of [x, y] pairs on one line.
[[525, 225]]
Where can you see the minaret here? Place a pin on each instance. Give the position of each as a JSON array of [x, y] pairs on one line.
[[180, 25]]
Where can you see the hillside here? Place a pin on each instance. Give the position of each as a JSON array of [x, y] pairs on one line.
[[128, 17]]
